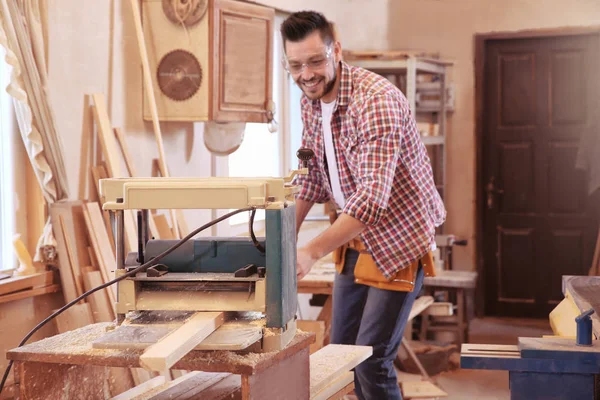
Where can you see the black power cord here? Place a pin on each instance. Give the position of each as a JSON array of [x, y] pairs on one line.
[[251, 229], [134, 271]]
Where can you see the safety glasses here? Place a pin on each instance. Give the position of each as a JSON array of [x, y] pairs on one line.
[[315, 62]]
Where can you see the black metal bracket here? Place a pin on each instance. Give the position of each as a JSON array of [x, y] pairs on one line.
[[157, 270], [246, 271]]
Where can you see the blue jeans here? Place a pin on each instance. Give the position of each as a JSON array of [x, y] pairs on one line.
[[367, 316]]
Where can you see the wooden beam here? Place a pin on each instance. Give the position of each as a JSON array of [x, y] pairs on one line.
[[165, 353], [99, 301], [101, 246], [141, 389], [99, 172], [75, 270], [333, 361], [108, 142], [125, 151], [420, 305], [344, 381]]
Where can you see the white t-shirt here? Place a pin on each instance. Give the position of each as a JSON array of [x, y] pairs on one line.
[[334, 177]]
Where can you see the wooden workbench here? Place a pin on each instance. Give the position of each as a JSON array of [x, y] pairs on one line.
[[320, 281], [461, 284], [66, 366]]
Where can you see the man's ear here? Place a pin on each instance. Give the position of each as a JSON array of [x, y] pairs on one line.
[[337, 50]]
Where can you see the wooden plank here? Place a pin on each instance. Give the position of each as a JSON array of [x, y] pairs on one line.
[[113, 163], [440, 309], [99, 172], [142, 389], [140, 375], [333, 388], [125, 152], [332, 361], [18, 283], [420, 305], [227, 388], [229, 336], [69, 288], [23, 294], [75, 269], [102, 309], [119, 380], [189, 385], [132, 173], [162, 226], [99, 240], [107, 137], [76, 316], [165, 353], [452, 279], [421, 390]]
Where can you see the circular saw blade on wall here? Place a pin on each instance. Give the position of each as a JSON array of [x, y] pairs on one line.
[[179, 75], [223, 138], [186, 12]]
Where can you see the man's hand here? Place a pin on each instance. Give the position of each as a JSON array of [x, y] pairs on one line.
[[304, 262], [342, 231]]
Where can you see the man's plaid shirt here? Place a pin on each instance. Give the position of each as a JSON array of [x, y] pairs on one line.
[[385, 172]]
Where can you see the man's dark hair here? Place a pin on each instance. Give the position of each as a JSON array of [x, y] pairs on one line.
[[300, 24]]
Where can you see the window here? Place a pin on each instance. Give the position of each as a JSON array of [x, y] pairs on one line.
[[260, 154], [7, 210]]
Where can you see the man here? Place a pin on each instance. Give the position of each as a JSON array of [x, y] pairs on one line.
[[369, 160]]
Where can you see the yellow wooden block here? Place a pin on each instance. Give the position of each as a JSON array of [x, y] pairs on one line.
[[562, 318]]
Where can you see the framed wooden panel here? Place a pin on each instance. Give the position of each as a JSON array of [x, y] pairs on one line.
[[242, 60]]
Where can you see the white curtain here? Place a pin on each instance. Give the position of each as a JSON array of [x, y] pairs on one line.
[[21, 34]]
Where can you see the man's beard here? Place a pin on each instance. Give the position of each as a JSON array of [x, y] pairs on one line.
[[328, 86]]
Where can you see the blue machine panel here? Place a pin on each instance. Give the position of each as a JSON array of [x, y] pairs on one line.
[[282, 298], [208, 254]]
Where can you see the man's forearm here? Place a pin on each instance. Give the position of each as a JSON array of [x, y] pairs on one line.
[[344, 229], [302, 209]]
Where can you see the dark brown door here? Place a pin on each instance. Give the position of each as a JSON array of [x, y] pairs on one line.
[[539, 95]]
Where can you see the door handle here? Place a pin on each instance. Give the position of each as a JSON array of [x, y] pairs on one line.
[[491, 192]]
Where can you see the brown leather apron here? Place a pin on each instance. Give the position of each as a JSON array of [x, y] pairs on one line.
[[367, 273]]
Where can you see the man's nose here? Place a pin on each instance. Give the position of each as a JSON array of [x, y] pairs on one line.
[[307, 74]]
